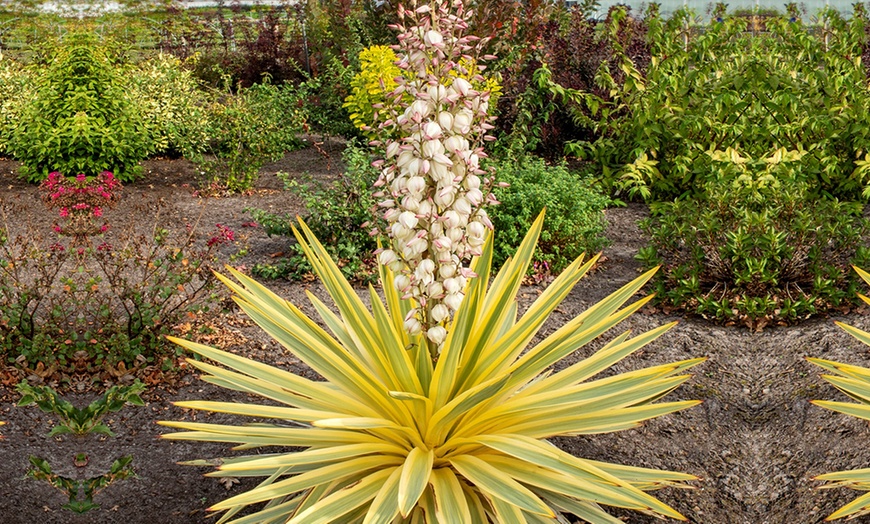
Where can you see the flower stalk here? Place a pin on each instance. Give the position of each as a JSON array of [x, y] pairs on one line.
[[433, 188]]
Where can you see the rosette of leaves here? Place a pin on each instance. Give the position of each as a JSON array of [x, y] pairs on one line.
[[393, 436], [854, 381]]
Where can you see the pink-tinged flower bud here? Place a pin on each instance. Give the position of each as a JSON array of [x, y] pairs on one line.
[[387, 257], [398, 230], [413, 167], [453, 142], [453, 300], [476, 230], [455, 235], [484, 219], [474, 196], [445, 197], [392, 149], [437, 92], [462, 123], [434, 149], [411, 203], [427, 265], [441, 158], [445, 120], [453, 219], [433, 38], [462, 206], [408, 219], [452, 285], [439, 171], [402, 282], [416, 185], [437, 334], [425, 209], [436, 229], [419, 107], [439, 312], [413, 326], [432, 131], [461, 85], [442, 244]]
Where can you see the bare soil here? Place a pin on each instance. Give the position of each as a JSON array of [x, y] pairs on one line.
[[755, 442]]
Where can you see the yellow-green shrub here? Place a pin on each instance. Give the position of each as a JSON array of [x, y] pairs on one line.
[[370, 86], [173, 106]]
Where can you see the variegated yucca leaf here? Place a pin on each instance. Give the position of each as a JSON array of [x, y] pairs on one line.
[[854, 381], [389, 436]]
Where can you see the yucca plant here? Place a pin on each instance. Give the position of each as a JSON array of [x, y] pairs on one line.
[[854, 381], [391, 436]]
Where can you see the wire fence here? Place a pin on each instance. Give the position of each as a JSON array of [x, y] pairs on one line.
[[703, 8]]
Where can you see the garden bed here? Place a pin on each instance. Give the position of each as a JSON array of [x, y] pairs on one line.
[[755, 442]]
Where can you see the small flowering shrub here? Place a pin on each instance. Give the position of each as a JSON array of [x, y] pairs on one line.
[[81, 118], [575, 220], [74, 305]]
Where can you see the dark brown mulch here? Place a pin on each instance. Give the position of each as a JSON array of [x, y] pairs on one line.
[[755, 442]]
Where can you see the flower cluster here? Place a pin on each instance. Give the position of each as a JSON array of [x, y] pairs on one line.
[[433, 186], [80, 200]]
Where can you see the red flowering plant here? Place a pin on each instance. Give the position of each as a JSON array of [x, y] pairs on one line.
[[81, 201]]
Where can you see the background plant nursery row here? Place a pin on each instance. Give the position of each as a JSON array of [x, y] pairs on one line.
[[156, 160]]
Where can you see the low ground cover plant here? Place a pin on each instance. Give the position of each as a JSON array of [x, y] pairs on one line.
[[78, 421], [80, 492]]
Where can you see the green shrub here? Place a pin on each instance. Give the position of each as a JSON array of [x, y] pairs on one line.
[[80, 119], [172, 105], [16, 87], [755, 256], [336, 212], [256, 125], [575, 212]]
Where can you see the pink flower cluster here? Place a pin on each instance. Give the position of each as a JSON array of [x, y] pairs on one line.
[[80, 200]]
